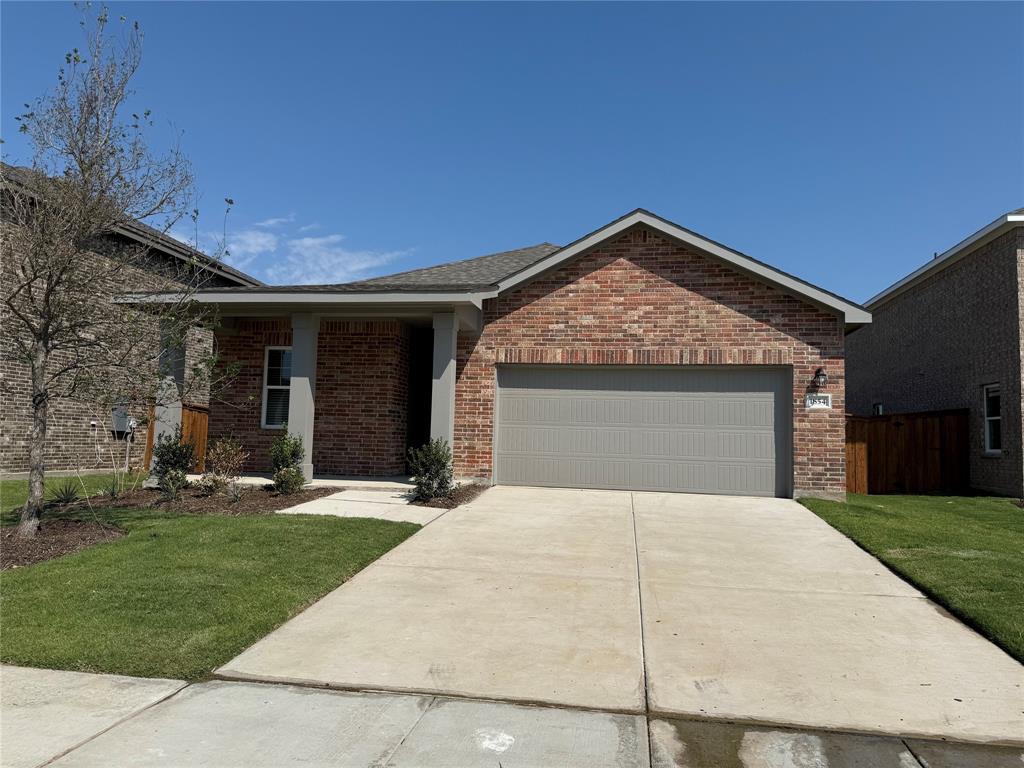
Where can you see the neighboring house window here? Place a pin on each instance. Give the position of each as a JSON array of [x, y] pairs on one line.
[[277, 377], [993, 419], [878, 409]]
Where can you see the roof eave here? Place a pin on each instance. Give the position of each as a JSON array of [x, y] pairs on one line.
[[306, 298], [185, 253], [948, 258]]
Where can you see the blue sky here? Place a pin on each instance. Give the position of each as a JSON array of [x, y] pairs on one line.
[[844, 143]]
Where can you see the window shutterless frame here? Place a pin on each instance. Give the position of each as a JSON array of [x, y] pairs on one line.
[[276, 386], [992, 410]]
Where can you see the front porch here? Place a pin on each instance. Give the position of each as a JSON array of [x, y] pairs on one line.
[[359, 391]]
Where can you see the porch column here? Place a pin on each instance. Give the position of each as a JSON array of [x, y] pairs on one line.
[[442, 393], [305, 329], [167, 409]]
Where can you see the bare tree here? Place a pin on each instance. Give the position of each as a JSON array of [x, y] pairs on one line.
[[93, 173]]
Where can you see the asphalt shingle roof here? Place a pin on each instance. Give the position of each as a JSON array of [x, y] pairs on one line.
[[22, 177], [475, 274]]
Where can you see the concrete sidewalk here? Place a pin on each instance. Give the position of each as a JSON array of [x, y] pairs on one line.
[[256, 725], [382, 503], [44, 713]]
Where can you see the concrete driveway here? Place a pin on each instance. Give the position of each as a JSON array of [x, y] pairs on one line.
[[751, 610]]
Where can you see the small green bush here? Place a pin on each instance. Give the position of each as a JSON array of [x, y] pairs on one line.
[[432, 472], [66, 493], [173, 453], [171, 483], [286, 451], [289, 480]]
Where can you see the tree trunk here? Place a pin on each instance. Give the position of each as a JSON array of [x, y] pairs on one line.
[[36, 448]]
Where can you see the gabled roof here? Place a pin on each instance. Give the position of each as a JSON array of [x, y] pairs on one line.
[[948, 258], [473, 280], [147, 235], [853, 313]]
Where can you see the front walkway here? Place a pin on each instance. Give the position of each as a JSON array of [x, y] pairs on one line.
[[753, 610]]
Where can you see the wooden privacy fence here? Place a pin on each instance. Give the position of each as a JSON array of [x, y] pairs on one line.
[[195, 420], [908, 452]]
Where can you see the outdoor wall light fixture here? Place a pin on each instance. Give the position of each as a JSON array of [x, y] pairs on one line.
[[820, 379]]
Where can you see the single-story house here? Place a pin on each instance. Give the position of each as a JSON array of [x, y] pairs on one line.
[[950, 335], [641, 356]]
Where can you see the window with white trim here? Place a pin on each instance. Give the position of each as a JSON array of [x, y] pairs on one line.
[[993, 419], [277, 379]]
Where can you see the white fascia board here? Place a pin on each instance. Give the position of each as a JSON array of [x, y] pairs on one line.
[[308, 297], [853, 314], [948, 257]]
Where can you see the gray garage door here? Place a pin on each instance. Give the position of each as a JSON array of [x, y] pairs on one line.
[[703, 430]]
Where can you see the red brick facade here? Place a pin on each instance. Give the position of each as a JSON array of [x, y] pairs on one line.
[[360, 400], [642, 300], [937, 344], [362, 382]]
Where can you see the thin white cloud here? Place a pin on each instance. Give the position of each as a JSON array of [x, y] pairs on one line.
[[312, 260], [276, 221], [309, 227], [246, 245]]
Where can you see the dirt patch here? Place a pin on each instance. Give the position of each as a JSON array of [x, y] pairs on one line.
[[53, 538], [463, 494], [253, 500]]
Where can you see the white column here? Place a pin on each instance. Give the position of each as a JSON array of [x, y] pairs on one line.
[[305, 329], [167, 409], [442, 394]]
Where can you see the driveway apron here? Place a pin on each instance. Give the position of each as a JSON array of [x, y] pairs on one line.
[[526, 594], [757, 610]]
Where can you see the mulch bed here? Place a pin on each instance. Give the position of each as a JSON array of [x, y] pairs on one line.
[[254, 500], [53, 538], [463, 494]]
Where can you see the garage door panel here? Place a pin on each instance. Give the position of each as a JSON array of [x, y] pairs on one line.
[[722, 430]]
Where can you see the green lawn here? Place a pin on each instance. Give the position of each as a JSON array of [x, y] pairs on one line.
[[179, 596], [967, 553], [13, 493]]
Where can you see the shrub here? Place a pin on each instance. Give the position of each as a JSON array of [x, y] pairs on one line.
[[210, 484], [225, 458], [173, 453], [66, 493], [289, 479], [224, 461], [172, 481], [286, 451], [431, 466]]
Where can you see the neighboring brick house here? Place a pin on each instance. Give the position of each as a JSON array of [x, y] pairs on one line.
[[949, 335], [81, 435], [642, 356]]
